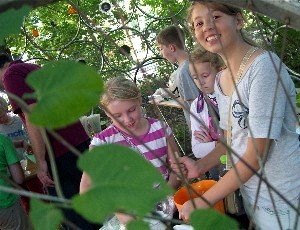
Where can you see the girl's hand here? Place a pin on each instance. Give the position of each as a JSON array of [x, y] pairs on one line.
[[44, 175], [189, 168], [188, 208], [202, 136], [178, 168]]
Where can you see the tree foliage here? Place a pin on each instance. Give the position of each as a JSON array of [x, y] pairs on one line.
[[97, 36]]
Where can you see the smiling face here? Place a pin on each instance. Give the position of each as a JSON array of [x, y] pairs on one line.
[[125, 114], [204, 76], [214, 29]]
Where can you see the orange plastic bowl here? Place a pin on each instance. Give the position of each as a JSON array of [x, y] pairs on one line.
[[182, 195]]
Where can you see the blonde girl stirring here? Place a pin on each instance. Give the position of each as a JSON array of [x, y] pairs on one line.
[[122, 103], [262, 120]]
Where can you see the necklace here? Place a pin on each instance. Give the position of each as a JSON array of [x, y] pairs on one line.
[[132, 145], [135, 147], [238, 80], [243, 64]]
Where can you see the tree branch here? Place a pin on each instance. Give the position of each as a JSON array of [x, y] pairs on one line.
[[282, 11]]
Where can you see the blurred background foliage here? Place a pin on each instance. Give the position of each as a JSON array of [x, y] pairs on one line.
[[99, 31]]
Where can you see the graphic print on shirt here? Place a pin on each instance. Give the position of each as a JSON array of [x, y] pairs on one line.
[[214, 130], [240, 112], [16, 134]]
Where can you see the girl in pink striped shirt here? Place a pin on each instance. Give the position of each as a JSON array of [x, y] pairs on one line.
[[151, 138]]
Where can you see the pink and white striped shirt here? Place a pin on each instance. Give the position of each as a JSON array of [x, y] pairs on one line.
[[153, 144]]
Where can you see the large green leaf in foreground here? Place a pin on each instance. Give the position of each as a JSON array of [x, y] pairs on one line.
[[207, 219], [45, 216], [138, 225], [122, 180], [11, 21], [65, 90]]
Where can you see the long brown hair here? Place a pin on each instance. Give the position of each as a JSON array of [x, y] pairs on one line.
[[224, 8]]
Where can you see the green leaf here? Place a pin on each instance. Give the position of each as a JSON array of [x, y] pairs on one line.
[[207, 219], [138, 225], [298, 100], [45, 216], [65, 90], [122, 180], [11, 21]]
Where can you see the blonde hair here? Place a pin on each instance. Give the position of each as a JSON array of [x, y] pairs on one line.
[[200, 55], [3, 105], [224, 8], [119, 88]]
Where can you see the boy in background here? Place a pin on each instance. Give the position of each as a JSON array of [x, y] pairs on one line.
[[12, 214], [172, 47], [12, 127]]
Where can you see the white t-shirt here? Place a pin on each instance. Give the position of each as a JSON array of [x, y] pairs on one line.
[[16, 132], [200, 121], [186, 86], [264, 106]]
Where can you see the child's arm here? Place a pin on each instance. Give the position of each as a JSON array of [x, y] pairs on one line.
[[85, 183], [202, 136], [12, 161], [39, 149], [201, 141], [230, 182], [198, 125], [173, 152], [195, 169], [16, 172]]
